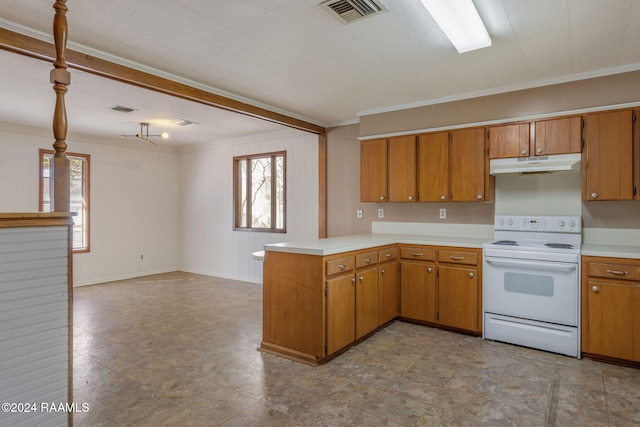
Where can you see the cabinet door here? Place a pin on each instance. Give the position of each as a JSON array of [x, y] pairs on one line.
[[418, 291], [558, 136], [458, 297], [366, 301], [373, 170], [341, 316], [609, 319], [635, 298], [609, 156], [388, 292], [468, 165], [402, 169], [507, 141], [433, 170]]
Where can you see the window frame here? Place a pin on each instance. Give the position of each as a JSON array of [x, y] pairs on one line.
[[87, 192], [237, 191]]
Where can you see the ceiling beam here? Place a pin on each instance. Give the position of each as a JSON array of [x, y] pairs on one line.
[[39, 49]]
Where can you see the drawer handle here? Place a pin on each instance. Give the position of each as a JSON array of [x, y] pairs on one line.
[[456, 258], [367, 261], [342, 266], [388, 255], [416, 254], [618, 272]]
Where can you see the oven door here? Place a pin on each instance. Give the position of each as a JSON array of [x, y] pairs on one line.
[[537, 290]]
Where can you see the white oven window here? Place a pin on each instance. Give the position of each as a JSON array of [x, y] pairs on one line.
[[530, 284]]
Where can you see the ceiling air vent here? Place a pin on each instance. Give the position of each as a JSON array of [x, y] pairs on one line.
[[348, 11], [122, 109]]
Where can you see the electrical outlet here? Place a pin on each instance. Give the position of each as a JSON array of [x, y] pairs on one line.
[[443, 213], [141, 257], [380, 213], [359, 214]]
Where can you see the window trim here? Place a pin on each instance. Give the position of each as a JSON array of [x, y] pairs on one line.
[[87, 181], [237, 210]]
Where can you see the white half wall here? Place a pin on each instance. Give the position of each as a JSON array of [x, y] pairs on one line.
[[134, 201], [208, 243]]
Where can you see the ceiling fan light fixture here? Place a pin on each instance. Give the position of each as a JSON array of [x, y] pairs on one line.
[[461, 23], [144, 134]]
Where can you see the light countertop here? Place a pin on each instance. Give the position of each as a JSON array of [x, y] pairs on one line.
[[614, 251], [336, 245]]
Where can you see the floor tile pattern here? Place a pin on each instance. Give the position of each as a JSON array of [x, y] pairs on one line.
[[179, 349]]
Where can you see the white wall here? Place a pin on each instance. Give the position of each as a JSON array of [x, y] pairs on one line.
[[208, 243], [134, 201]]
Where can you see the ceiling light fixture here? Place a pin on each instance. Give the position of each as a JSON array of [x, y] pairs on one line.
[[144, 134], [460, 22]]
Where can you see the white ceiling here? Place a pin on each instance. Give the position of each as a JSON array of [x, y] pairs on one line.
[[294, 57]]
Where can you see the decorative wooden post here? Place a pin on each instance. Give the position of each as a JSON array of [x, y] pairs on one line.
[[60, 78]]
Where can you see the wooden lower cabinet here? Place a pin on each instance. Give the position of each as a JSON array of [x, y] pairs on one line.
[[444, 289], [388, 291], [366, 301], [458, 297], [314, 307], [611, 308], [341, 312], [418, 290]]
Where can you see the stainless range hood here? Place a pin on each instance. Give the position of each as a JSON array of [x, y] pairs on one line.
[[554, 163]]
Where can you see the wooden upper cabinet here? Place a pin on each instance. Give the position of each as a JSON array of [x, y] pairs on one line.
[[452, 166], [402, 169], [506, 141], [373, 170], [433, 170], [468, 161], [558, 136], [608, 156]]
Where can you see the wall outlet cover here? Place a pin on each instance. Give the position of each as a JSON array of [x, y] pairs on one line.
[[380, 213], [443, 213]]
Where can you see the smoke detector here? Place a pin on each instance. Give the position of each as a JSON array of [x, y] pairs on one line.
[[348, 11]]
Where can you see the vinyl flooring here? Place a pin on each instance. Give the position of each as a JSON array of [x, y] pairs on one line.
[[180, 349]]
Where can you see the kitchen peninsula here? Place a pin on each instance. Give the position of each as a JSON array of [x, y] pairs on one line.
[[323, 296]]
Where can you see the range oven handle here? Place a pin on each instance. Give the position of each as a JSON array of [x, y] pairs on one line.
[[532, 264]]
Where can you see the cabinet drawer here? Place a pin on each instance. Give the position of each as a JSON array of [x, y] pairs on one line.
[[340, 265], [387, 254], [614, 271], [458, 257], [418, 253], [366, 259]]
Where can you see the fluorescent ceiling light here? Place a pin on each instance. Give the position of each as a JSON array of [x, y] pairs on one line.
[[461, 23]]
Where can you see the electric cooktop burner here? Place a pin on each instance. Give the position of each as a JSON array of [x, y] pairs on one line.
[[559, 245], [506, 242]]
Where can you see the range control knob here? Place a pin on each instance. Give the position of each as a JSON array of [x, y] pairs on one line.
[[572, 224], [501, 222], [510, 222], [562, 223]]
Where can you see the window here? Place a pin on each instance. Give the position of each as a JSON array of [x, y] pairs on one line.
[[259, 192], [79, 200]]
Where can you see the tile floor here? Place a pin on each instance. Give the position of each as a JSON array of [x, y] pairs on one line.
[[179, 349]]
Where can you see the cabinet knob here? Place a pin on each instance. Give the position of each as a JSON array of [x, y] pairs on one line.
[[381, 197], [595, 289], [443, 197], [410, 197], [539, 150], [523, 152], [429, 270], [594, 195], [479, 197], [382, 271], [471, 275], [361, 278]]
